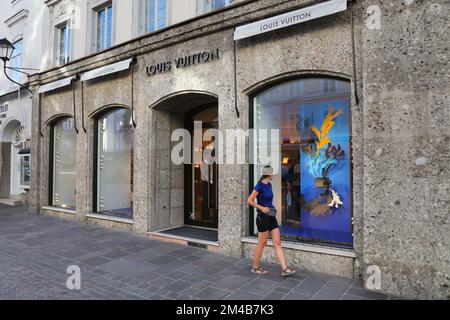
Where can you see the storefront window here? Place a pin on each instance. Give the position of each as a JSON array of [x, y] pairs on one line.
[[64, 164], [115, 164], [312, 186], [24, 171]]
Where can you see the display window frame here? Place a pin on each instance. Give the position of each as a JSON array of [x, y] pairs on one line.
[[24, 187], [51, 189], [251, 229], [95, 190]]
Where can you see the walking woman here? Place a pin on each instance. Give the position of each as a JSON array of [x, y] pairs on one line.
[[266, 223]]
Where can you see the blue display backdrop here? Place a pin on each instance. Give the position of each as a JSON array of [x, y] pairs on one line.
[[336, 224], [312, 191]]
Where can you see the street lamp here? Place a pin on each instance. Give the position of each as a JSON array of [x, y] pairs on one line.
[[6, 51]]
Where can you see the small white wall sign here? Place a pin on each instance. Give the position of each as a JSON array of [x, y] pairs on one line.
[[290, 18], [103, 71], [55, 85]]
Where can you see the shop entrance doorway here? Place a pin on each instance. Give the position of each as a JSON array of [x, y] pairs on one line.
[[186, 192], [14, 174]]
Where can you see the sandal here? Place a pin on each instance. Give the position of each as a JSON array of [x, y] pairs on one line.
[[288, 272], [259, 270]]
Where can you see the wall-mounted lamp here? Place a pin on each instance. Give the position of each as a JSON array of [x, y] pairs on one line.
[[6, 52]]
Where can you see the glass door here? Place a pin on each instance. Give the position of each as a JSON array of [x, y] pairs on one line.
[[202, 182]]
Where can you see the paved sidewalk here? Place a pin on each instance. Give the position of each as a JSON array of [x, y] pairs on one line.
[[36, 250]]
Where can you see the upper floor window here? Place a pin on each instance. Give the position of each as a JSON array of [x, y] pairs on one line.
[[155, 14], [210, 5], [16, 60], [64, 44], [104, 28]]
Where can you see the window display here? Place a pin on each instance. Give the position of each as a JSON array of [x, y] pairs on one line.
[[312, 189], [115, 164], [64, 164], [25, 171]]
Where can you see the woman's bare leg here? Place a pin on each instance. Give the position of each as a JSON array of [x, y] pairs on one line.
[[262, 241], [276, 239]]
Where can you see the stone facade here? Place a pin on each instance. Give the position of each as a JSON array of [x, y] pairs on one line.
[[406, 147], [399, 128]]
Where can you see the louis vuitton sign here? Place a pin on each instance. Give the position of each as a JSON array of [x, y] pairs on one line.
[[317, 11], [183, 62]]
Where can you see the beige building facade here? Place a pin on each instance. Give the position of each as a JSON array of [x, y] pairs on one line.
[[120, 20], [20, 23], [50, 33]]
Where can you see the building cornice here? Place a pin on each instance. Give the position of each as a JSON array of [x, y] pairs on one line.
[[10, 90], [22, 14], [50, 3]]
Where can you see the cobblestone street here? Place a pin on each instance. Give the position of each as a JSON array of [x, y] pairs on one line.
[[36, 250]]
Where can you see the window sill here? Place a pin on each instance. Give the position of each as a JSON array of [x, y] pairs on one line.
[[57, 209], [109, 218], [308, 248]]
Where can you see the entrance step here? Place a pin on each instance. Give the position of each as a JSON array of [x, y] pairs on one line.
[[188, 236], [10, 202]]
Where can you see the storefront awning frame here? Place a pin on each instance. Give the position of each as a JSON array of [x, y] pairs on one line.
[[108, 69], [56, 84], [290, 18], [104, 71]]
